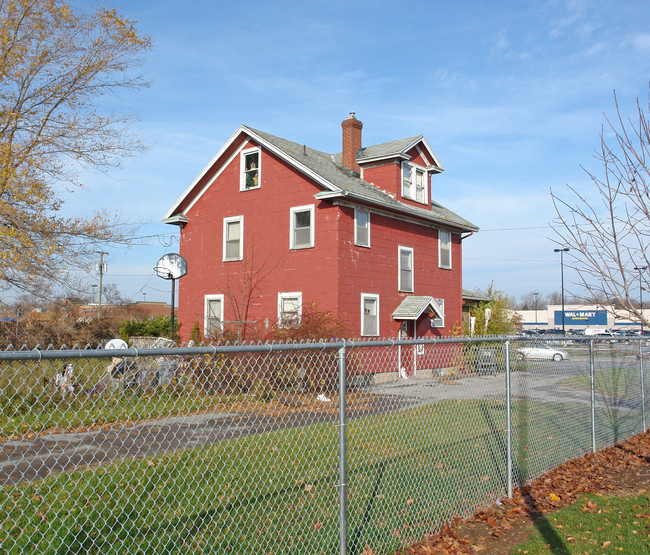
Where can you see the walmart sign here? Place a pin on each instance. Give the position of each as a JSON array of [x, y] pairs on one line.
[[581, 317]]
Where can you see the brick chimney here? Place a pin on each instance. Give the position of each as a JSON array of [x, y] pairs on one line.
[[351, 142]]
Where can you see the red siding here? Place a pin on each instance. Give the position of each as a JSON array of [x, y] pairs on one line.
[[332, 275], [266, 214], [374, 270]]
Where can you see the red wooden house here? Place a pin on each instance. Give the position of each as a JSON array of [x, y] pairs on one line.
[[270, 226]]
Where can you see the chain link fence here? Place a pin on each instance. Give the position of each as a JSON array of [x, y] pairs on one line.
[[350, 447]]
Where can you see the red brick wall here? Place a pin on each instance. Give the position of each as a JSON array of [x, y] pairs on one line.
[[332, 275], [374, 270], [266, 214]]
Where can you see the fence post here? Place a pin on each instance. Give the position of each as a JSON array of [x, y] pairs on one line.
[[593, 396], [342, 456], [642, 384], [508, 422]]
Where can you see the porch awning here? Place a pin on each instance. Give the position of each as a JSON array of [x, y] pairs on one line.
[[411, 308]]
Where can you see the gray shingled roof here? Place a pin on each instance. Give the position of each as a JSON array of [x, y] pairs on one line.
[[385, 150], [413, 307], [326, 167]]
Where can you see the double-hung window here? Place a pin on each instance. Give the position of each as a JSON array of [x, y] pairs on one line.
[[369, 314], [289, 309], [250, 169], [414, 183], [302, 227], [444, 249], [361, 227], [406, 269], [213, 315], [233, 238]]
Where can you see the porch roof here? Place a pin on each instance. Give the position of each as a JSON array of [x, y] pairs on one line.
[[412, 307]]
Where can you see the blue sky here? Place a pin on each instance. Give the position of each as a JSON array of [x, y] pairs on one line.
[[510, 96]]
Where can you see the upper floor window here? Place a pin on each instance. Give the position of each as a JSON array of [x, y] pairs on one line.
[[414, 183], [302, 227], [250, 169], [369, 314], [233, 233], [361, 227], [444, 249], [406, 269], [213, 321], [289, 309]]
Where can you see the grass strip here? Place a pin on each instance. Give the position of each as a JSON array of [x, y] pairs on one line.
[[595, 523]]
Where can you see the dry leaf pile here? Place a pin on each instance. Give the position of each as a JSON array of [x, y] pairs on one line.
[[623, 467]]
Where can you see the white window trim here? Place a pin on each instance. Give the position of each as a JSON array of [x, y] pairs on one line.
[[226, 221], [441, 304], [413, 189], [440, 264], [242, 165], [365, 296], [281, 297], [399, 269], [356, 239], [205, 310], [292, 212]]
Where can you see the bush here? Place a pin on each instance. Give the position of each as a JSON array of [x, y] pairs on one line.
[[154, 326]]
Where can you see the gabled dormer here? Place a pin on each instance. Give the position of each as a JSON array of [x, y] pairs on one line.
[[403, 168]]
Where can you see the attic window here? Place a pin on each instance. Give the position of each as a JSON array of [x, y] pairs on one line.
[[414, 183], [250, 163]]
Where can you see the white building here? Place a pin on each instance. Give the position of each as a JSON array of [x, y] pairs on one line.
[[580, 317]]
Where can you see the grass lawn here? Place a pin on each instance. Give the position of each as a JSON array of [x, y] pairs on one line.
[[623, 381], [408, 472], [594, 524]]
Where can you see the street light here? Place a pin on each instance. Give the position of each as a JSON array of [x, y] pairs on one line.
[[641, 269], [562, 251], [535, 295]]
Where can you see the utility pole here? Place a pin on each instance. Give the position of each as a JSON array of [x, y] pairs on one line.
[[101, 276]]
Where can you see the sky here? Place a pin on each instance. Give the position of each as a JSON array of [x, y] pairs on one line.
[[511, 96]]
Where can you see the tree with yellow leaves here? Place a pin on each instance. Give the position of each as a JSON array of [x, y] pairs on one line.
[[56, 66]]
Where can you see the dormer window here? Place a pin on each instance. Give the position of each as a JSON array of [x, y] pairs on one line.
[[414, 183], [250, 174]]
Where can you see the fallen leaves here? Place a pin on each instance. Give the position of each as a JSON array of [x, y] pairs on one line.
[[561, 486]]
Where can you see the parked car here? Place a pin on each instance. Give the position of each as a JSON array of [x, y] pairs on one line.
[[540, 351]]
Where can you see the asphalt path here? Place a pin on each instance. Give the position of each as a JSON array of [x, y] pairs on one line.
[[33, 458]]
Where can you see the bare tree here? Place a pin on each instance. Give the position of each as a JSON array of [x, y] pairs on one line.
[[608, 228], [532, 301], [57, 67], [242, 286]]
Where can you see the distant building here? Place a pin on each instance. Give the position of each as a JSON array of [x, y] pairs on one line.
[[579, 317]]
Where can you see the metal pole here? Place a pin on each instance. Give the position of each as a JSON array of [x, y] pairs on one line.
[[562, 251], [171, 336], [642, 384], [562, 277], [641, 269], [101, 278], [593, 396], [343, 495], [508, 422]]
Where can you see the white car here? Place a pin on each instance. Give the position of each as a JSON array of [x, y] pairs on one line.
[[540, 351]]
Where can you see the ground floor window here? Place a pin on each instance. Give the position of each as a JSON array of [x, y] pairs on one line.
[[289, 309], [369, 314], [439, 320]]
